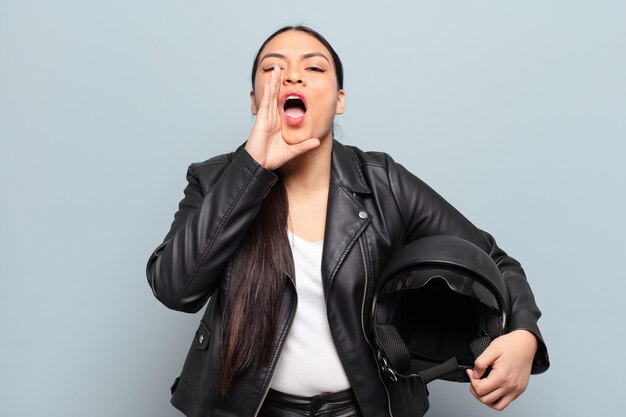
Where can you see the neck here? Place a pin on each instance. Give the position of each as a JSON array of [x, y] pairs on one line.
[[309, 171]]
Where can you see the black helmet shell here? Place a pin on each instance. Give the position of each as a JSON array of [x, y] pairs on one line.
[[437, 296]]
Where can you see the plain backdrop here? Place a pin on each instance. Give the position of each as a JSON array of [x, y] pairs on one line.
[[514, 111]]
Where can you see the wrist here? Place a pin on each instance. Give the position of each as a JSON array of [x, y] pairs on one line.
[[255, 154], [528, 338]]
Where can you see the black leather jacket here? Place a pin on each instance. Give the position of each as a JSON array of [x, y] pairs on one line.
[[374, 207]]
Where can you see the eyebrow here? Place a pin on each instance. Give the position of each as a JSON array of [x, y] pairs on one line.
[[304, 56]]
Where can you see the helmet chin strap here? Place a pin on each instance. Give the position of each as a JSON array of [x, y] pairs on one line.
[[440, 370], [437, 306], [395, 357]]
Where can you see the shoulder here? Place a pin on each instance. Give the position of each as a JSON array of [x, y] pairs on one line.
[[210, 169], [232, 164], [379, 170], [375, 161], [212, 163], [204, 174]]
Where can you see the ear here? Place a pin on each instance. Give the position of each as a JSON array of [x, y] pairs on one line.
[[253, 107], [341, 97]]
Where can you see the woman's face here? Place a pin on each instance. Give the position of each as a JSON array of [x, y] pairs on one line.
[[308, 95]]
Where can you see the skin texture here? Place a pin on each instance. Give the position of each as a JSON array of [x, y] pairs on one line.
[[272, 142], [296, 62], [510, 357], [302, 154]]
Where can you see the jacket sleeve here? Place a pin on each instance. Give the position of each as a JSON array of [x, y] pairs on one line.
[[222, 197], [425, 213]]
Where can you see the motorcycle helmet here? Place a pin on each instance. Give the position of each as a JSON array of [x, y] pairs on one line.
[[437, 305]]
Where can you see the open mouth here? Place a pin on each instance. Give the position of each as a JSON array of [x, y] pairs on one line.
[[294, 107]]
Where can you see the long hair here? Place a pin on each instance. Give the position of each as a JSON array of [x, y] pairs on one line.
[[254, 304], [253, 307]]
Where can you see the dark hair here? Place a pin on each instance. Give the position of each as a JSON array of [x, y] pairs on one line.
[[256, 293], [258, 275], [316, 35]]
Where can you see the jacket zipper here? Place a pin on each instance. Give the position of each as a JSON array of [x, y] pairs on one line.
[[363, 323], [280, 348]]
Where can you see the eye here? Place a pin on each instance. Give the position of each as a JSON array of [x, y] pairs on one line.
[[271, 68], [315, 69]]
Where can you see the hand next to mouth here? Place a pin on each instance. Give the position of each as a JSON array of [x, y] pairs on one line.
[[266, 143]]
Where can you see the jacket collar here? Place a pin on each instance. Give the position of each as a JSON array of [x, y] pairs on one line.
[[346, 217], [347, 169]]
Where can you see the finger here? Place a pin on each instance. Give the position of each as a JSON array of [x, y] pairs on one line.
[[265, 101], [305, 146], [487, 385], [473, 392], [485, 360], [503, 402], [275, 87], [264, 113], [492, 399]]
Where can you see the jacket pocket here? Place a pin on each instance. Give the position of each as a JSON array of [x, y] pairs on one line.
[[200, 343]]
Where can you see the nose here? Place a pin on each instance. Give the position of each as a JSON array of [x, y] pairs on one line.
[[293, 77], [293, 80]]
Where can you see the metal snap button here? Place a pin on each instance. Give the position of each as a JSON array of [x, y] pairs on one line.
[[201, 339], [362, 214]]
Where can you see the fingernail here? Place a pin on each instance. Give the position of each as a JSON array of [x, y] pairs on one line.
[[476, 374]]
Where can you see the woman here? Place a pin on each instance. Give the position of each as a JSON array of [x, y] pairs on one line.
[[285, 237]]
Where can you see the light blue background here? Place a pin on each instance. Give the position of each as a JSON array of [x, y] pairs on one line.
[[515, 111]]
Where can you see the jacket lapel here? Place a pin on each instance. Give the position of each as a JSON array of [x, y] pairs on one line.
[[346, 218]]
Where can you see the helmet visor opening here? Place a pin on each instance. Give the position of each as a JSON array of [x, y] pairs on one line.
[[438, 315]]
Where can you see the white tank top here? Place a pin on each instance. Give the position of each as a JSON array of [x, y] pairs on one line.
[[309, 364]]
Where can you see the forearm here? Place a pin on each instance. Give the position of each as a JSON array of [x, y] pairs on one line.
[[208, 227], [424, 213]]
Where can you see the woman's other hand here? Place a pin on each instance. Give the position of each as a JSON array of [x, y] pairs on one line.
[[510, 356], [266, 143]]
